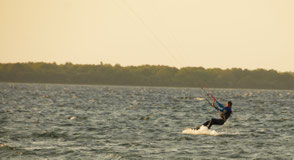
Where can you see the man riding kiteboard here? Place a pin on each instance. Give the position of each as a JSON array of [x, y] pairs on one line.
[[225, 113]]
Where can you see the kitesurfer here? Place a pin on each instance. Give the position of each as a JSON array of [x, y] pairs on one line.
[[225, 113]]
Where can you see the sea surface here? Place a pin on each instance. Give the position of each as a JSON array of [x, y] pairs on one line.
[[49, 121]]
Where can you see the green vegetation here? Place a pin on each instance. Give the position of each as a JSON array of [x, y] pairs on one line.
[[145, 75]]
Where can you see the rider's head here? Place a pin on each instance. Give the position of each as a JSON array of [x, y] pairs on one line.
[[229, 104]]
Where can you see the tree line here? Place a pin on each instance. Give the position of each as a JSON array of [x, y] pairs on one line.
[[144, 75]]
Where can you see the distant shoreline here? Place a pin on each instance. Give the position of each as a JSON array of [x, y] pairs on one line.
[[144, 76]]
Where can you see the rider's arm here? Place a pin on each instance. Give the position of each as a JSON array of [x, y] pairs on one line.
[[221, 106]]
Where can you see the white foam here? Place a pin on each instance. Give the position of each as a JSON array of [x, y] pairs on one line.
[[199, 99], [203, 130], [73, 118]]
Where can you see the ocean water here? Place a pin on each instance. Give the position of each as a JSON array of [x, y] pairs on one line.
[[48, 121]]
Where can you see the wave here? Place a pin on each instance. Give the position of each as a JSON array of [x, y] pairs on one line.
[[50, 134], [199, 99], [8, 151], [203, 130]]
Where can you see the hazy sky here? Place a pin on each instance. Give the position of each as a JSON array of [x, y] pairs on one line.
[[210, 33]]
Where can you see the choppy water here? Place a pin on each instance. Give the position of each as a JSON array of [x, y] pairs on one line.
[[42, 121]]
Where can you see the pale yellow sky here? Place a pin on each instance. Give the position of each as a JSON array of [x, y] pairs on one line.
[[210, 33]]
